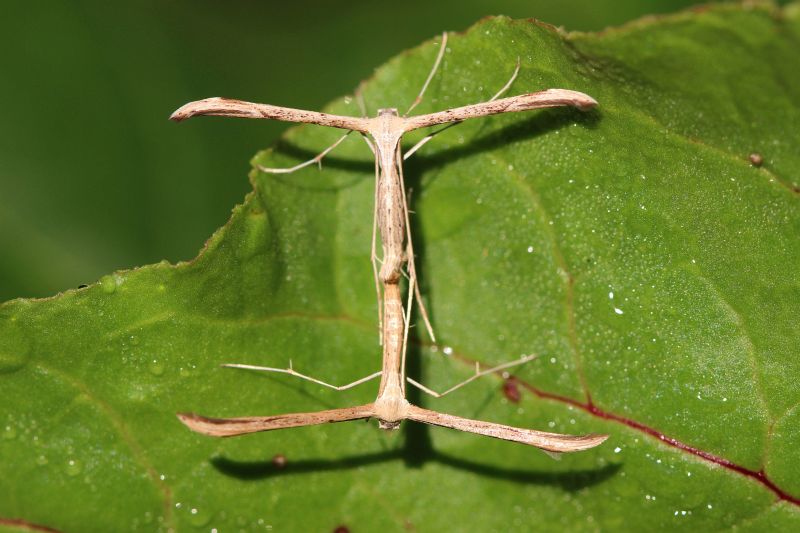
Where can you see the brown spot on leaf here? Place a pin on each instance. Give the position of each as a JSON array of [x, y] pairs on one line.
[[341, 529], [756, 159], [511, 390]]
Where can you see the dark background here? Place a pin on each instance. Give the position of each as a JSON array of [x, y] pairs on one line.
[[94, 178]]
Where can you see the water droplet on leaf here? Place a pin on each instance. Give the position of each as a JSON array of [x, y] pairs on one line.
[[108, 284], [74, 467], [156, 367], [9, 433], [199, 518]]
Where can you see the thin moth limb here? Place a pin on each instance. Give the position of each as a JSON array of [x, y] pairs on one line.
[[409, 304], [226, 107], [507, 86], [423, 310], [478, 374], [431, 135], [292, 372], [553, 442], [412, 271], [439, 57], [374, 257], [231, 427], [411, 279], [316, 159], [523, 102], [369, 143], [359, 95], [373, 251]]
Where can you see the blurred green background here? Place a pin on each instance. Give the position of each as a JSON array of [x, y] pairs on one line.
[[94, 178]]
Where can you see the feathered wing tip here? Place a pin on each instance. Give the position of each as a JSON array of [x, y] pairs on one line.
[[551, 442], [225, 107], [231, 427], [228, 107]]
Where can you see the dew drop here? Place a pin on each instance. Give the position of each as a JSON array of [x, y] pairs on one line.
[[618, 310], [9, 433], [447, 350], [14, 346], [135, 340], [42, 460], [198, 518], [156, 367], [74, 467], [108, 284]]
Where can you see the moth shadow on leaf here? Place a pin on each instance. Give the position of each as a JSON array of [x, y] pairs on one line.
[[571, 481]]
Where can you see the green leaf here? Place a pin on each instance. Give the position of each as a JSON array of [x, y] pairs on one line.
[[635, 249]]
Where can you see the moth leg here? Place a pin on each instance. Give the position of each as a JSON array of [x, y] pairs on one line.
[[410, 258], [412, 274], [292, 372], [373, 252], [478, 374], [317, 159], [431, 135], [436, 64]]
